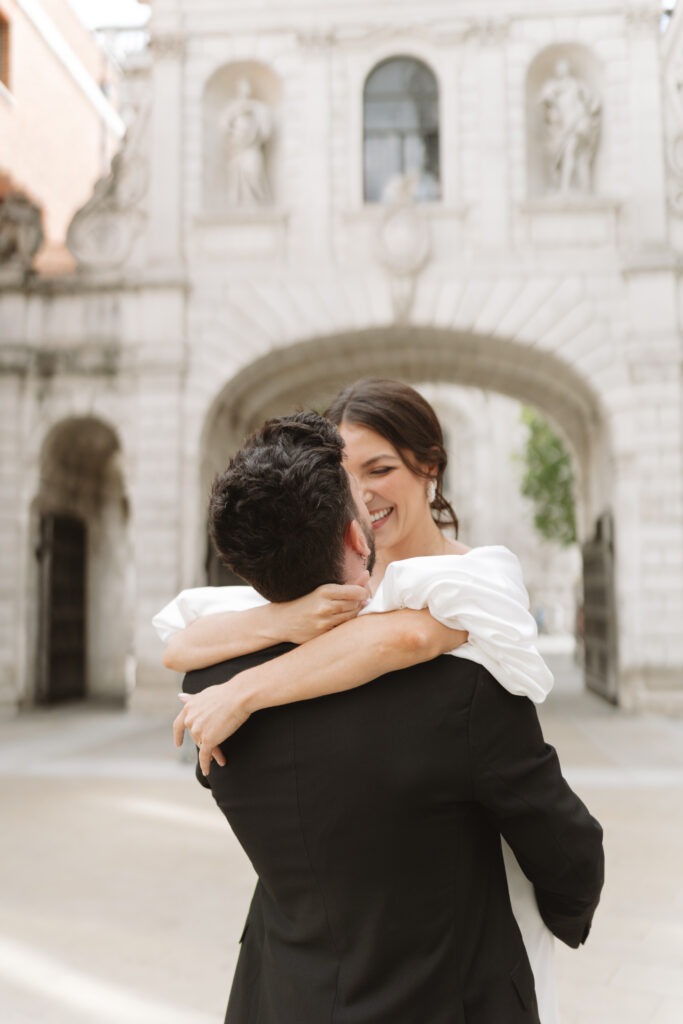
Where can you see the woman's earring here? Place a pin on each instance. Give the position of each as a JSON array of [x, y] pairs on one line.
[[431, 491]]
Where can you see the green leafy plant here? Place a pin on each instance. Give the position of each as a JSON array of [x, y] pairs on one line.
[[548, 480]]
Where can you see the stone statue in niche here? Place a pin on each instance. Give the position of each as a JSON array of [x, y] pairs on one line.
[[246, 125], [571, 125], [21, 230]]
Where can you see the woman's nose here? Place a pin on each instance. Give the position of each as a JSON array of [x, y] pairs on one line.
[[366, 491]]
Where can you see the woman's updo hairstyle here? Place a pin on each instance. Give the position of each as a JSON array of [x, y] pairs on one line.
[[400, 414]]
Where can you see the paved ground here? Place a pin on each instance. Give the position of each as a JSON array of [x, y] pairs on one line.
[[122, 893]]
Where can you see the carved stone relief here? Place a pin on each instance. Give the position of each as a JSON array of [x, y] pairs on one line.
[[403, 241], [102, 233], [643, 18], [21, 231], [168, 46], [491, 31]]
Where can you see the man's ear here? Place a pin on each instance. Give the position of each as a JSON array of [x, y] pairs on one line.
[[354, 538]]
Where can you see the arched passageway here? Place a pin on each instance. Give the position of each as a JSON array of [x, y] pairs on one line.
[[310, 373], [83, 579]]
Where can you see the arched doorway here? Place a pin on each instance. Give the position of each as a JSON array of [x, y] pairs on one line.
[[310, 373], [83, 566]]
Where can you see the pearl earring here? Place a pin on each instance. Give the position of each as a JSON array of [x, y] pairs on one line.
[[431, 491]]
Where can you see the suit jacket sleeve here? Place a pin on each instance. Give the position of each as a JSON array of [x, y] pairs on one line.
[[517, 778], [200, 678]]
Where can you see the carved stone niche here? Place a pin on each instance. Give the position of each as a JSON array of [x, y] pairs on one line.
[[239, 139], [564, 124]]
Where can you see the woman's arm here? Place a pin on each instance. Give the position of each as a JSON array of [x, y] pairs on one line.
[[482, 592], [347, 657], [224, 635]]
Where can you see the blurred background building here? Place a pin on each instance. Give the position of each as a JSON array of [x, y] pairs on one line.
[[59, 119], [482, 198]]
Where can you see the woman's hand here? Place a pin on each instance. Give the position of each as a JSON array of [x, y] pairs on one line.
[[321, 610], [224, 635], [211, 717]]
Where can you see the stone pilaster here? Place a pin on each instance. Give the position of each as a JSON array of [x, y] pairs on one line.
[[647, 205], [166, 152], [494, 173]]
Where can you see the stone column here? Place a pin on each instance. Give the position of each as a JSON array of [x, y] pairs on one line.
[[310, 227], [14, 556], [156, 520], [165, 198], [494, 157], [647, 184], [648, 500]]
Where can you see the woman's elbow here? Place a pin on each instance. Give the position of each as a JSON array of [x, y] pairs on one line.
[[429, 638], [419, 642], [172, 658]]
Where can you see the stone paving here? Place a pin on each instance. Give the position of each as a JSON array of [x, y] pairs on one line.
[[123, 892]]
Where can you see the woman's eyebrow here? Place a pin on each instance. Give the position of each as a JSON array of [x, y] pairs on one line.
[[378, 458]]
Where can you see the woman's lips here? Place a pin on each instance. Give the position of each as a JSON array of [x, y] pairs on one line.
[[379, 516]]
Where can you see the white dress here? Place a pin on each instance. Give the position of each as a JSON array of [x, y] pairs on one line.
[[482, 592]]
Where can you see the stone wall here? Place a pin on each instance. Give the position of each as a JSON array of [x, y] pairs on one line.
[[227, 306]]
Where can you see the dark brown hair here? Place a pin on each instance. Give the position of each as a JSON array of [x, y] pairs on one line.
[[403, 417], [279, 512]]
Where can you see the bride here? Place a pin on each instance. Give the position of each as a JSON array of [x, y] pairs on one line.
[[394, 446]]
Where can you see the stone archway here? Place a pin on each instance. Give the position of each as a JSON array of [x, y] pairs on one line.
[[83, 577], [310, 373]]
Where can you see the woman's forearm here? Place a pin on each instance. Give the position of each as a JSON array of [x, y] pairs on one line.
[[346, 657], [215, 638], [341, 659]]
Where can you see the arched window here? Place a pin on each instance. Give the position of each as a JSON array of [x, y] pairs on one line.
[[401, 128]]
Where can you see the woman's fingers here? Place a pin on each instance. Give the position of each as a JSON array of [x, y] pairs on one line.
[[345, 593], [205, 757], [191, 718], [343, 615], [179, 728]]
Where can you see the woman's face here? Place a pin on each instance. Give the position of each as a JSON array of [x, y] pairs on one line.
[[395, 497]]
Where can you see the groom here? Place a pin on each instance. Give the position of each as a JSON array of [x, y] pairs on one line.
[[373, 817]]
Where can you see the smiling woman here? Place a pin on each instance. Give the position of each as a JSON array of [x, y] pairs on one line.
[[395, 448]]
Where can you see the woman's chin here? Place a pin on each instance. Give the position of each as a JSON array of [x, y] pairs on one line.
[[384, 539]]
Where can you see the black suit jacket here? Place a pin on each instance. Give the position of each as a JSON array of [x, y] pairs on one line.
[[373, 821]]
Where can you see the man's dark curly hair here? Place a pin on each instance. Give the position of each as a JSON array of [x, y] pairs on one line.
[[279, 512]]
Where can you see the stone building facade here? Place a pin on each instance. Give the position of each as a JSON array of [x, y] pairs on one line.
[[480, 193], [59, 124]]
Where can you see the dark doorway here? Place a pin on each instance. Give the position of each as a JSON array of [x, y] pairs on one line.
[[62, 674], [599, 611]]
